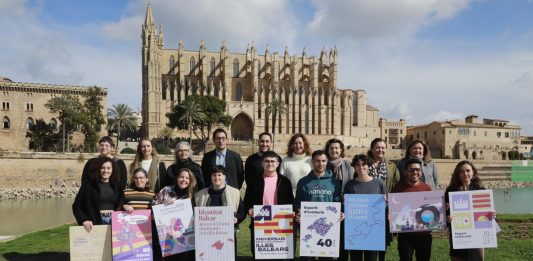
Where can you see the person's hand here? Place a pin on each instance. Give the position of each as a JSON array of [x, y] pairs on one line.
[[342, 216], [298, 216], [251, 212], [450, 218], [235, 220], [128, 209], [491, 215], [385, 197], [447, 206], [168, 201], [88, 225]]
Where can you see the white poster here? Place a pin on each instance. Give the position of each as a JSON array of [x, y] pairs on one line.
[[93, 246], [471, 225], [215, 238], [320, 229], [175, 227], [273, 231]]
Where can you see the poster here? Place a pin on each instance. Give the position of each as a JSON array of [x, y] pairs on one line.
[[273, 231], [320, 229], [364, 222], [215, 237], [417, 211], [471, 225], [93, 246], [175, 227], [132, 235]]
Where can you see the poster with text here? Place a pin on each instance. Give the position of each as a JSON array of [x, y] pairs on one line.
[[215, 238], [132, 235], [417, 211], [320, 229], [175, 226], [93, 246], [471, 225], [273, 232], [364, 222]]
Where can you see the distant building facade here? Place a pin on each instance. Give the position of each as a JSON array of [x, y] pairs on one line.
[[248, 82], [468, 139], [393, 132], [23, 104]]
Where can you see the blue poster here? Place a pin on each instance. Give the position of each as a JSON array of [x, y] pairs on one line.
[[364, 222]]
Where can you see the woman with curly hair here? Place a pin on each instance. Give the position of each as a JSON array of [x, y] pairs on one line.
[[298, 163]]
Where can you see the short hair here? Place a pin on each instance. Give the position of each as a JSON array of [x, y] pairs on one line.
[[265, 133], [218, 168], [373, 143], [177, 148], [219, 130], [270, 154], [361, 158], [108, 140], [132, 181], [331, 141], [427, 155], [412, 161], [307, 146], [317, 153]]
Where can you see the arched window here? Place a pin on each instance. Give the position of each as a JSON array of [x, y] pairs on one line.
[[53, 123], [171, 63], [238, 92], [29, 123], [212, 67], [258, 67], [194, 89], [235, 68], [192, 64], [6, 122]]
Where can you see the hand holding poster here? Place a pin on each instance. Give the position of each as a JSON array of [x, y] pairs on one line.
[[364, 222], [93, 246], [175, 227], [471, 225], [132, 235], [417, 211], [273, 232], [320, 229], [214, 232]]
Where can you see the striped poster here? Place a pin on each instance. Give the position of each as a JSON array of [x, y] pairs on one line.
[[273, 232]]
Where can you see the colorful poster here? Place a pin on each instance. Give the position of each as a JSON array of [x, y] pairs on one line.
[[132, 235], [471, 225], [417, 211], [273, 231], [214, 231], [175, 226], [364, 222], [93, 246], [320, 229]]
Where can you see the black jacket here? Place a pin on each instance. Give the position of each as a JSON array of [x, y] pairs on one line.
[[86, 205], [172, 172], [235, 171], [89, 167], [253, 168]]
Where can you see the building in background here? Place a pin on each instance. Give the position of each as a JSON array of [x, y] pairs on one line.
[[393, 132]]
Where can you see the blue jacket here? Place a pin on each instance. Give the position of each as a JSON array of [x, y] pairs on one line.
[[324, 189]]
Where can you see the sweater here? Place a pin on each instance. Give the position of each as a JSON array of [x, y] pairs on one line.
[[431, 174], [295, 168], [318, 189], [172, 172], [86, 206]]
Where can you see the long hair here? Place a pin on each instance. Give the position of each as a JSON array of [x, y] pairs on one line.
[[372, 144], [115, 175], [331, 141], [307, 146], [132, 181], [426, 155], [192, 181], [139, 154], [455, 180]]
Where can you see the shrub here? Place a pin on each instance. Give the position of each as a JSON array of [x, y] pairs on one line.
[[127, 150]]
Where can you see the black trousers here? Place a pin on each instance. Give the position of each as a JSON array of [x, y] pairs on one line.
[[363, 255], [419, 243]]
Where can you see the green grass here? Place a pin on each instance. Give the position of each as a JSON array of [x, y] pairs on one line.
[[515, 242]]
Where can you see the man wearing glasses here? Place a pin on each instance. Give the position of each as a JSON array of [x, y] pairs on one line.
[[222, 156], [253, 167], [417, 242]]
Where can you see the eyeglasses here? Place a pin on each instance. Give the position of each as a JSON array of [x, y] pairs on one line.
[[142, 177], [220, 138], [270, 161], [186, 150], [414, 170]]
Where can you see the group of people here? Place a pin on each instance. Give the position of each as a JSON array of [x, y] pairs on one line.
[[107, 185]]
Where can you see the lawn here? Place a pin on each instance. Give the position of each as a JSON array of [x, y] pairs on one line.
[[515, 242]]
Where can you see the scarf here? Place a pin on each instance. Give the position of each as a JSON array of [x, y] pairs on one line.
[[336, 166]]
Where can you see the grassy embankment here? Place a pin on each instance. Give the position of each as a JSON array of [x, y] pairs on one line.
[[515, 242]]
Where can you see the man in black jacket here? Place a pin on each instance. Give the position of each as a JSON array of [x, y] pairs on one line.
[[253, 167], [183, 154], [222, 156]]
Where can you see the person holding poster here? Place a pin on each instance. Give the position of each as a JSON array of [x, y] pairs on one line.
[[99, 197], [418, 149], [220, 195], [364, 184], [146, 157], [417, 242], [320, 185], [464, 178], [138, 195], [272, 189], [183, 188]]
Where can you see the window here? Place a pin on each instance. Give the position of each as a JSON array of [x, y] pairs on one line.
[[6, 122], [53, 123], [385, 131], [235, 68], [238, 92], [171, 63], [29, 123], [192, 64], [29, 106], [212, 67], [258, 67], [5, 106], [507, 134], [498, 134]]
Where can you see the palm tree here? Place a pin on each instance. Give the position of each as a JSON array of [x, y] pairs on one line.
[[275, 107], [120, 118], [192, 112]]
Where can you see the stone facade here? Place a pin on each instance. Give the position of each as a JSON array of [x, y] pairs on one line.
[[23, 104], [248, 82], [393, 132], [468, 139]]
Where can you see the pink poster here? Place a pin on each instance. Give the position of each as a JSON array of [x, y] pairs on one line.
[[132, 235]]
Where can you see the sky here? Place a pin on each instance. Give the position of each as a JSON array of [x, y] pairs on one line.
[[419, 60]]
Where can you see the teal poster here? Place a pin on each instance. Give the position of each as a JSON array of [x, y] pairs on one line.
[[364, 222]]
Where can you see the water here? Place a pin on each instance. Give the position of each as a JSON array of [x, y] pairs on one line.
[[513, 201]]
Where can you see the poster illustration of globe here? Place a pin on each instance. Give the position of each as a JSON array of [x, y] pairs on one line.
[[417, 211]]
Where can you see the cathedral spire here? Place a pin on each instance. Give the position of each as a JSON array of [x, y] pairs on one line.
[[149, 19]]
